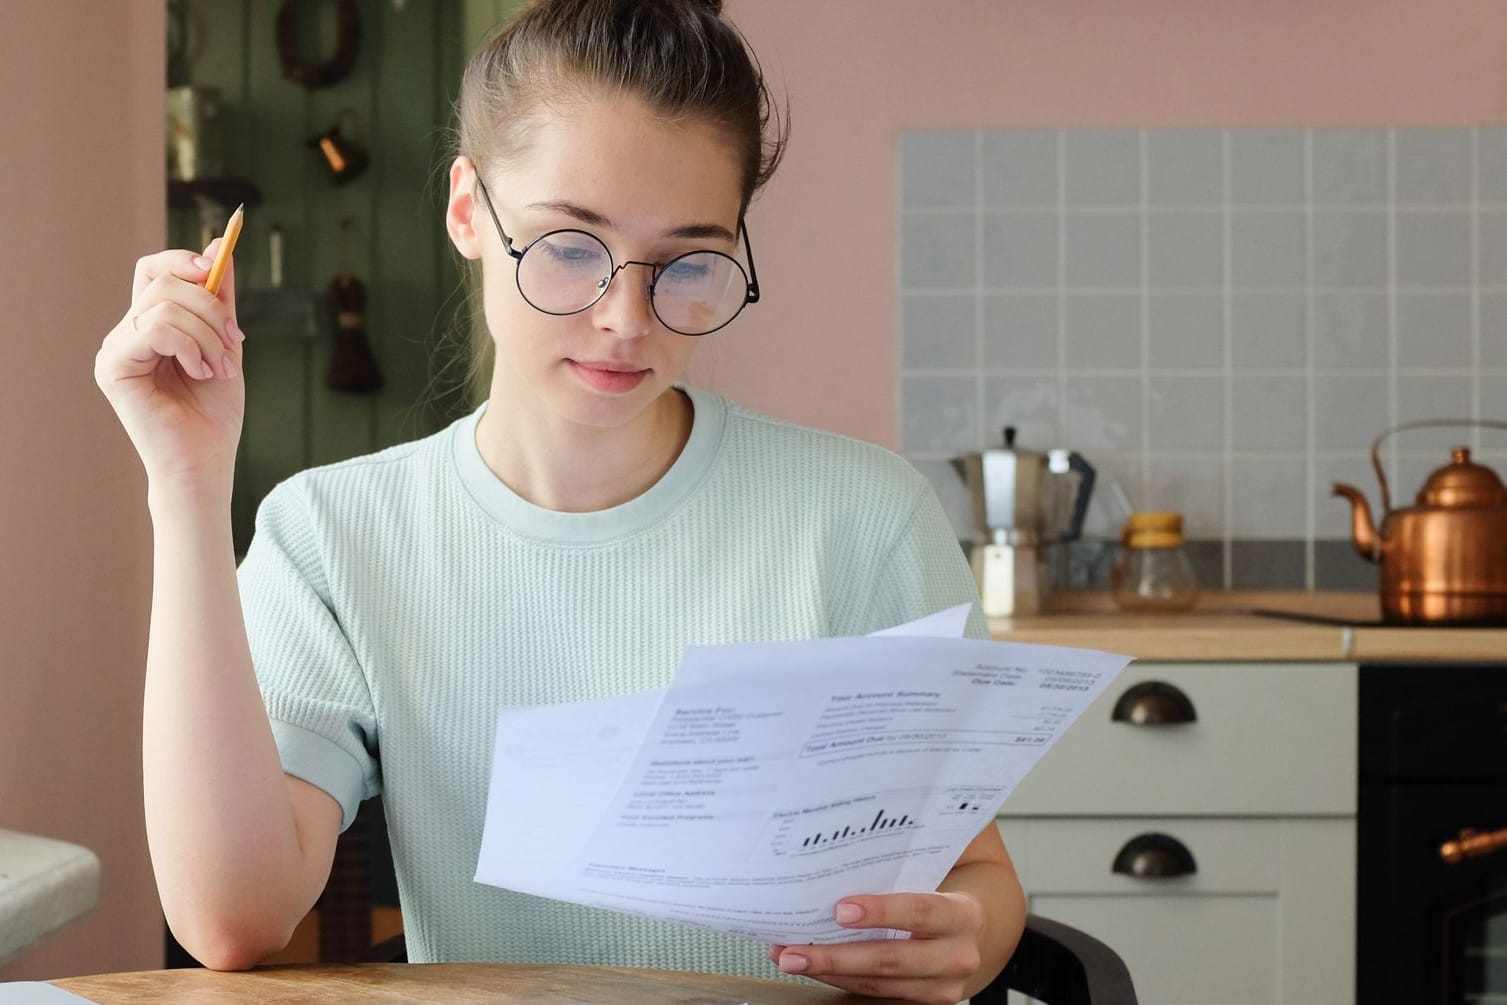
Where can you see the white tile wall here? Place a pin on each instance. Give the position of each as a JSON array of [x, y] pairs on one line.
[[1222, 319]]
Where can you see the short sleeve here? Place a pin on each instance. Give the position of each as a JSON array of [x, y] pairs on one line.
[[925, 571], [315, 690]]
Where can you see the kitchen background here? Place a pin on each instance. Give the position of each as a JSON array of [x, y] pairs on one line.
[[83, 194], [380, 221], [1222, 320]]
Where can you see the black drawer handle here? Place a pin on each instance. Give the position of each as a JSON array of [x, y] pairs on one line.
[[1155, 856], [1154, 703]]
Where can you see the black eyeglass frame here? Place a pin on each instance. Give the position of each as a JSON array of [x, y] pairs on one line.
[[751, 277]]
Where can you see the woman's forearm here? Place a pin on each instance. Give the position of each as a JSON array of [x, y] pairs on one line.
[[232, 870]]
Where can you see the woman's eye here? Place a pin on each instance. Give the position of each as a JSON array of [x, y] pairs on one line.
[[571, 254], [686, 270]]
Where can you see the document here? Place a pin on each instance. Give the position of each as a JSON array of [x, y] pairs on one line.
[[770, 780], [38, 993]]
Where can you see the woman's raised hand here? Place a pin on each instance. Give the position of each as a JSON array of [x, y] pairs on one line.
[[171, 369]]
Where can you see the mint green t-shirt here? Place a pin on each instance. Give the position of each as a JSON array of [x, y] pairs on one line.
[[395, 602]]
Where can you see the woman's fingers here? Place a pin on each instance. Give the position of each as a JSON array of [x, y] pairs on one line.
[[137, 352], [164, 340], [180, 275], [132, 351], [923, 915], [172, 314], [892, 958], [933, 965], [172, 289], [917, 970], [167, 263]]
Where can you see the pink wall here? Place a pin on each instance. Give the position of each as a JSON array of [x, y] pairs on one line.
[[860, 71], [81, 195]]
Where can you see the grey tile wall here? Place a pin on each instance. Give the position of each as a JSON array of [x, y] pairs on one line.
[[1222, 320]]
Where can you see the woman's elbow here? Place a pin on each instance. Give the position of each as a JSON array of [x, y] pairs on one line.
[[228, 942]]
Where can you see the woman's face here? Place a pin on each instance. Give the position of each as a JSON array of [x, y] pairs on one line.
[[649, 190]]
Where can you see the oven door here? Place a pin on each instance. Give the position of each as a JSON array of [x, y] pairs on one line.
[[1429, 930]]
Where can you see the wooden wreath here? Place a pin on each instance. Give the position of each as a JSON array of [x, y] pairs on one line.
[[332, 70]]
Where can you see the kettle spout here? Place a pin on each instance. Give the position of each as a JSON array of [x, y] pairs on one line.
[[1362, 533]]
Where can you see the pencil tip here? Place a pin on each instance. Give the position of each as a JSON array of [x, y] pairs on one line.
[[239, 208]]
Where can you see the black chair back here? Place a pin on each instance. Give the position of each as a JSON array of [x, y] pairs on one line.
[[1061, 965]]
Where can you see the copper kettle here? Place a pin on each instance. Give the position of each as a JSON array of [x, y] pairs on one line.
[[1444, 560]]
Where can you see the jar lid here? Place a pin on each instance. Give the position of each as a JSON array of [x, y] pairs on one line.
[[1153, 530]]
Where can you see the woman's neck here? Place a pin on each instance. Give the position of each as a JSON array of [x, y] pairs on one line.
[[573, 468]]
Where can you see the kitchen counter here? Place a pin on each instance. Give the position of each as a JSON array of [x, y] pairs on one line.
[[1224, 627], [44, 884]]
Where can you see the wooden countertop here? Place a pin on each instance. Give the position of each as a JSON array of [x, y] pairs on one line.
[[1224, 627]]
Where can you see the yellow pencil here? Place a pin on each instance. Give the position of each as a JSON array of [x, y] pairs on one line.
[[222, 256]]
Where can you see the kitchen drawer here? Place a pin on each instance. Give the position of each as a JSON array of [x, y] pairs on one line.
[[1267, 918], [1266, 738]]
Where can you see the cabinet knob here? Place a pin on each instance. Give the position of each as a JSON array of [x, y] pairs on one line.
[[1155, 856], [1154, 703]]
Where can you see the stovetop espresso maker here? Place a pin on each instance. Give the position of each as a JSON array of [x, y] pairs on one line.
[[1024, 501]]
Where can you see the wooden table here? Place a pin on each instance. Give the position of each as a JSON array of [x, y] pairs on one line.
[[445, 984]]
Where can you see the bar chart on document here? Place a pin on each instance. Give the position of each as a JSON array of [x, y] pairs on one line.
[[910, 815]]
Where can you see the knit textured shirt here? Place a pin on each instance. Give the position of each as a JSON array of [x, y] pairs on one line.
[[396, 602]]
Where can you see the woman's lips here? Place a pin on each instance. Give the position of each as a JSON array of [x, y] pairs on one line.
[[602, 377]]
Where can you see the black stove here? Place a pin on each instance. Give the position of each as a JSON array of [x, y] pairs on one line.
[[1431, 891]]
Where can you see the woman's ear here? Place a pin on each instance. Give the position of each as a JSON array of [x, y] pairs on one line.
[[462, 209]]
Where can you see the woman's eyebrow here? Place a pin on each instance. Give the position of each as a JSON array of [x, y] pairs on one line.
[[592, 218], [703, 230], [570, 209]]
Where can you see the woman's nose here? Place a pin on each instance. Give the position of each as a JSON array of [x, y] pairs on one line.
[[625, 308]]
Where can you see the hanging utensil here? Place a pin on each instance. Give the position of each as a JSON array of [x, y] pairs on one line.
[[352, 366]]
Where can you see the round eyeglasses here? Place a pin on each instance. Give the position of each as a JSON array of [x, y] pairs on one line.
[[566, 271]]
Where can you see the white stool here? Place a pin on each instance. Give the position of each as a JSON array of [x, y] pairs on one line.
[[44, 884]]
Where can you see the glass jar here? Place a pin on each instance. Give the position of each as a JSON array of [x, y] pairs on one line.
[[1152, 574]]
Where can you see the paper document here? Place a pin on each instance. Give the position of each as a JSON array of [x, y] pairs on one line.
[[951, 623], [770, 780], [38, 993]]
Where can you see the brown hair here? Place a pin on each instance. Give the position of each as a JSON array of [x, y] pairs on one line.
[[678, 56]]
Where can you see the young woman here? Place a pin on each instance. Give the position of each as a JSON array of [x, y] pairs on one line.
[[564, 542]]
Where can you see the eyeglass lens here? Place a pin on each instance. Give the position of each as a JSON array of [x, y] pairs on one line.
[[568, 270]]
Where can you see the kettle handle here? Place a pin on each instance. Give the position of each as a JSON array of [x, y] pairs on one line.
[[1381, 476], [1086, 476]]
